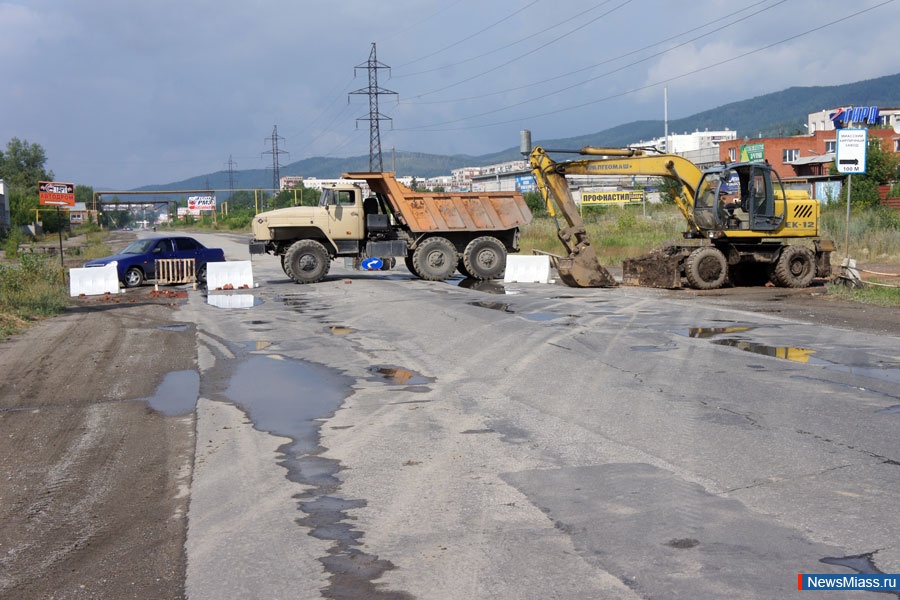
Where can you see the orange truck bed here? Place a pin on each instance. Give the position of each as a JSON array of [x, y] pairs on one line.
[[424, 212]]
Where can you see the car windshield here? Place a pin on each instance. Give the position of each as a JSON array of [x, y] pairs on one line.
[[139, 247]]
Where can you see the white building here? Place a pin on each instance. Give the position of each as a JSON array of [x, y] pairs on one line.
[[885, 117], [700, 147]]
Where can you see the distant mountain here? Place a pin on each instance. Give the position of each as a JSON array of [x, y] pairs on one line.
[[776, 114]]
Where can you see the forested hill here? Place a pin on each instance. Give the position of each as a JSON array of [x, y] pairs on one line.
[[775, 114]]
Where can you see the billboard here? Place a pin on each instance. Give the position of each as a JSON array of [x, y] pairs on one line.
[[201, 203], [589, 198], [54, 193], [753, 152]]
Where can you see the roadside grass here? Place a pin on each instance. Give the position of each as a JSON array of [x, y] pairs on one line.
[[31, 289], [885, 294], [34, 286]]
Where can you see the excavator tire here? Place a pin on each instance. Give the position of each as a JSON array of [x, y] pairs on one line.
[[485, 258], [307, 261], [796, 267], [706, 268], [435, 259]]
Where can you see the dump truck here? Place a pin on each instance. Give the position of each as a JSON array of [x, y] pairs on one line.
[[373, 219], [743, 226]]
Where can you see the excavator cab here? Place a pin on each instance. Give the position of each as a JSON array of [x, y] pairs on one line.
[[740, 196]]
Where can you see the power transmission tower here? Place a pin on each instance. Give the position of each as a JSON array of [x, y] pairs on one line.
[[274, 139], [231, 166], [373, 91]]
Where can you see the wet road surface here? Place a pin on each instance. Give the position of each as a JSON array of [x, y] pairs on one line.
[[377, 436]]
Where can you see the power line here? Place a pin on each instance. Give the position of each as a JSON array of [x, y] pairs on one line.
[[372, 66], [616, 58], [532, 51], [275, 152], [638, 89]]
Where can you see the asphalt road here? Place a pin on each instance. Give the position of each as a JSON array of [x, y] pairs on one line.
[[376, 436], [381, 437]]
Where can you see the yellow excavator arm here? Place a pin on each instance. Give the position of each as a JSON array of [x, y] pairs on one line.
[[582, 268]]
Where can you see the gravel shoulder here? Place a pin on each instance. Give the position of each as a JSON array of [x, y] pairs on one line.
[[94, 484]]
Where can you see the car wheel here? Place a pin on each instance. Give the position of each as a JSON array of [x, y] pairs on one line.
[[201, 274], [133, 277]]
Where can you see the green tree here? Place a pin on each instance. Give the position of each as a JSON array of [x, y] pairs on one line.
[[22, 165]]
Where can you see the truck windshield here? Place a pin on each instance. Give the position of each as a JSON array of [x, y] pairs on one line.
[[326, 198]]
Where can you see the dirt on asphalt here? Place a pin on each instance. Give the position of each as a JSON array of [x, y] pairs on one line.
[[94, 483]]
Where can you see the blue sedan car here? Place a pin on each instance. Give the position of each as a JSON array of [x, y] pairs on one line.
[[135, 264]]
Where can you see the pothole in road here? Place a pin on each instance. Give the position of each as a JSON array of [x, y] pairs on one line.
[[291, 398]]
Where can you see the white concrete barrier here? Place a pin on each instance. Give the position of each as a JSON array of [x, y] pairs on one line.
[[93, 281], [527, 269], [235, 274]]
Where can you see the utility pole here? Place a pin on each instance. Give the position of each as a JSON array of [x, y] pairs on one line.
[[373, 91], [231, 166], [274, 138]]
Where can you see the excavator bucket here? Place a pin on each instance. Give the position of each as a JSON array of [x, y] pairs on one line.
[[659, 269], [581, 268]]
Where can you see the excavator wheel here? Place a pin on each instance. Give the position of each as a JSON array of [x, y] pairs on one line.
[[435, 259], [795, 268], [485, 258], [706, 268]]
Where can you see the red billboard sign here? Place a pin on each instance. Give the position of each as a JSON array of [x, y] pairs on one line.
[[53, 193]]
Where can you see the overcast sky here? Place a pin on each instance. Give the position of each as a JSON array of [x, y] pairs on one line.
[[121, 93]]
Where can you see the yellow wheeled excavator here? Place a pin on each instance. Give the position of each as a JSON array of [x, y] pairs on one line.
[[739, 219]]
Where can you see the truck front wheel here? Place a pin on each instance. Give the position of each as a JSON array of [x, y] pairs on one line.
[[485, 258], [435, 259], [307, 261]]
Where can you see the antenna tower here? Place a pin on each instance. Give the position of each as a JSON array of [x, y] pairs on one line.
[[274, 139], [375, 117]]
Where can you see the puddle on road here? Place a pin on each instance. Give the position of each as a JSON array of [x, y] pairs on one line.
[[340, 330], [864, 564], [493, 306], [400, 376], [184, 327], [292, 398], [882, 371], [229, 300], [177, 394], [801, 355], [709, 332], [488, 286]]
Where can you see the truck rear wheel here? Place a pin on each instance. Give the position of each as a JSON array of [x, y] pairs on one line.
[[307, 261], [795, 268], [485, 258], [706, 268], [435, 259]]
